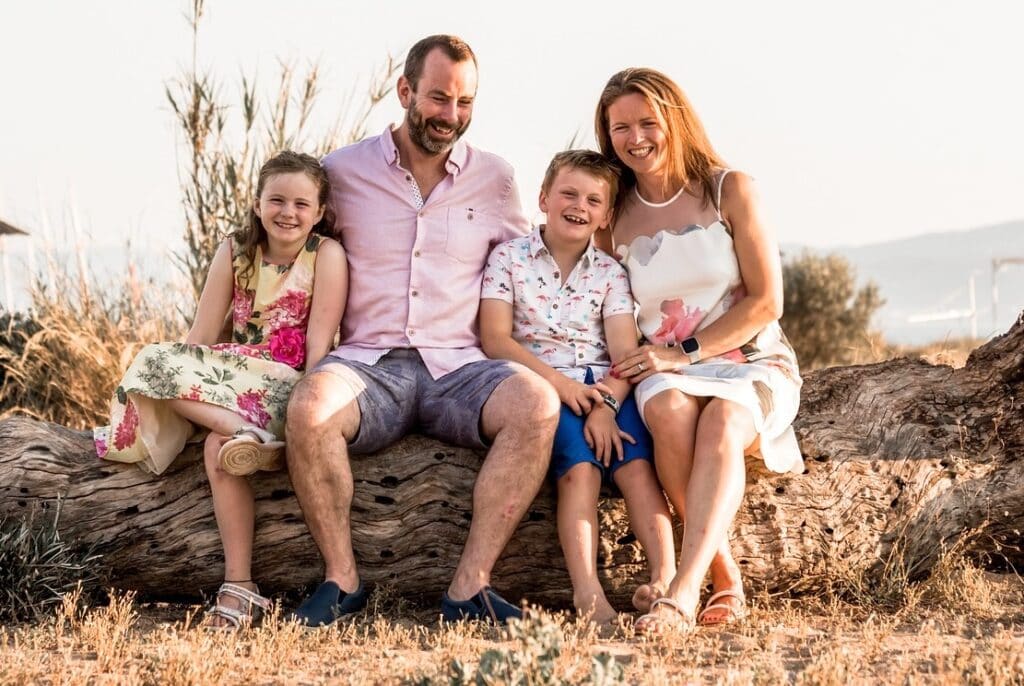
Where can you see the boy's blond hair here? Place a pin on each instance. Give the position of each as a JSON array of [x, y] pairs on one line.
[[589, 161]]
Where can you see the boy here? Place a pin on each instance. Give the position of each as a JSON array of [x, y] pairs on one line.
[[554, 303]]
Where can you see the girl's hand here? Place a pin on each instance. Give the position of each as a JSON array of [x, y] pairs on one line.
[[640, 363], [580, 397], [604, 436]]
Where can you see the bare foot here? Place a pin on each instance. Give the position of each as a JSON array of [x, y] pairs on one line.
[[646, 594], [595, 608]]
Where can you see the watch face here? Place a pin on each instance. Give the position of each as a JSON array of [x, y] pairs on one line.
[[690, 345]]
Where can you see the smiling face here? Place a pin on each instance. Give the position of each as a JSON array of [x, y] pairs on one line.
[[439, 110], [638, 135], [577, 204], [289, 208]]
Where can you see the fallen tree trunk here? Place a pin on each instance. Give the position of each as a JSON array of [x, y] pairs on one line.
[[903, 458]]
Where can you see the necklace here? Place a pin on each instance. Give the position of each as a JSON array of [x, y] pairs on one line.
[[636, 190]]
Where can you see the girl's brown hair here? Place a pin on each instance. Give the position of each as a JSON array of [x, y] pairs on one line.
[[249, 237], [690, 155]]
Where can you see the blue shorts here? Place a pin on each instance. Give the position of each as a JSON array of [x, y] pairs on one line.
[[571, 449]]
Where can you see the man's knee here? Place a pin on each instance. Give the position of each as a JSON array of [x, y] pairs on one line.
[[523, 399], [322, 401]]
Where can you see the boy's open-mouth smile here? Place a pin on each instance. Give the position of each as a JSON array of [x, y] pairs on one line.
[[573, 219]]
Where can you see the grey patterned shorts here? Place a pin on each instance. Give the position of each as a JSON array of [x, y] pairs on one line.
[[397, 396]]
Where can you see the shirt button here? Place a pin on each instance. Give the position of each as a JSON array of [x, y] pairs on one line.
[[580, 356], [414, 293], [555, 306], [416, 253], [408, 177], [411, 332], [557, 275]]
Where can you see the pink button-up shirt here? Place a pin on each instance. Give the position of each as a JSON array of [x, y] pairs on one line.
[[561, 323], [415, 266]]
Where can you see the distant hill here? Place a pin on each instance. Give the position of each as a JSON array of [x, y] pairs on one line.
[[929, 274]]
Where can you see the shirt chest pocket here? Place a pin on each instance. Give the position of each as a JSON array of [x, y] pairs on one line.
[[468, 235]]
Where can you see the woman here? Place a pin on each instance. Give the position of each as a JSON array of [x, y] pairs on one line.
[[716, 378]]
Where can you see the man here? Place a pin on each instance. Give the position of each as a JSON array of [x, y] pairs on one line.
[[418, 211]]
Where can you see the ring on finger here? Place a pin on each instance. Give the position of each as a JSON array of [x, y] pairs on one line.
[[640, 367]]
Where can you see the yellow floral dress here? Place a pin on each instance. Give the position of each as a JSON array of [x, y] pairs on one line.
[[252, 376]]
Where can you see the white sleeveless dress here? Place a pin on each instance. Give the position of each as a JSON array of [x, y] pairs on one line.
[[683, 278]]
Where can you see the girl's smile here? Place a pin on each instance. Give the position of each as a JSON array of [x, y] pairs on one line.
[[288, 209]]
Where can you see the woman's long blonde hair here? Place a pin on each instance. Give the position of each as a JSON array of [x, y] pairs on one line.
[[690, 155]]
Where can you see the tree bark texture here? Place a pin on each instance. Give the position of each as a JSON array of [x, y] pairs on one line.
[[903, 458]]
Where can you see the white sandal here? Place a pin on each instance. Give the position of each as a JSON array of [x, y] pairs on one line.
[[253, 608], [250, 450], [648, 624], [733, 614]]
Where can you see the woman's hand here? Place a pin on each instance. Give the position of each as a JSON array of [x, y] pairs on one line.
[[604, 436], [580, 397], [640, 363]]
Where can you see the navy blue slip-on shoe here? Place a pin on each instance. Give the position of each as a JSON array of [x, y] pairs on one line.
[[485, 605], [328, 604]]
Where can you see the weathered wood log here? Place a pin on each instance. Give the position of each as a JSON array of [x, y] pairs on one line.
[[903, 457]]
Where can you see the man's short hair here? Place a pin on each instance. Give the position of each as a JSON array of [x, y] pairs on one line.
[[454, 47], [590, 161]]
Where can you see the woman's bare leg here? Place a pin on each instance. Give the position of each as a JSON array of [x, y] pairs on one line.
[[713, 496]]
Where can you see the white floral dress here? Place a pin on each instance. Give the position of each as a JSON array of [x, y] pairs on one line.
[[252, 376], [683, 278]]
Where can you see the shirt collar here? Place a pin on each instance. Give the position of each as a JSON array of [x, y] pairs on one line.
[[456, 157], [537, 246]]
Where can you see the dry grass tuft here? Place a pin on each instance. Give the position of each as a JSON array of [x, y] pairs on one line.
[[65, 365]]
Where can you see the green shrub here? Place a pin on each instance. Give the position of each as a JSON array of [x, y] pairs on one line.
[[826, 318]]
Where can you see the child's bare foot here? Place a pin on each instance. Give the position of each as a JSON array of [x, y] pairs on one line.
[[646, 594], [595, 608]]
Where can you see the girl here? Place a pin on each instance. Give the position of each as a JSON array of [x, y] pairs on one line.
[[284, 283]]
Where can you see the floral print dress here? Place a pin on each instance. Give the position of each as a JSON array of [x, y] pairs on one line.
[[252, 376]]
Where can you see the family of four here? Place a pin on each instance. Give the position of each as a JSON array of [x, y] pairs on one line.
[[463, 324]]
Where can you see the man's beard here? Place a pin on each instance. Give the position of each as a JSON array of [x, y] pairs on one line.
[[420, 132]]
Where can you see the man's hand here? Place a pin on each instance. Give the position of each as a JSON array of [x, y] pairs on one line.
[[580, 397], [604, 436]]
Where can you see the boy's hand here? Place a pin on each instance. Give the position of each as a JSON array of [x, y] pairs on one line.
[[580, 397], [604, 436]]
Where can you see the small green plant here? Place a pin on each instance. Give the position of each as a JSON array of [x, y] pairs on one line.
[[532, 660], [38, 567]]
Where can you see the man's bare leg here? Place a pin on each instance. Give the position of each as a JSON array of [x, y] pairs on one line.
[[520, 419], [323, 416]]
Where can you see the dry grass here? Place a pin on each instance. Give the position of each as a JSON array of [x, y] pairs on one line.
[[967, 626], [65, 366]]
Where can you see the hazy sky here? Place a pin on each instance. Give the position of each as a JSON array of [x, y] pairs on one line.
[[862, 121]]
